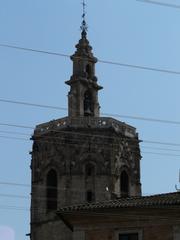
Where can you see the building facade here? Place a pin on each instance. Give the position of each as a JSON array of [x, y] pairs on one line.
[[154, 217], [82, 157]]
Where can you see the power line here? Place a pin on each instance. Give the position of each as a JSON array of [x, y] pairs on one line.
[[15, 184], [17, 208], [33, 104], [26, 134], [99, 60], [142, 118], [162, 154], [14, 196], [15, 125], [160, 3], [141, 67], [162, 149], [29, 134], [34, 50], [18, 133], [14, 138], [161, 143], [76, 142], [82, 134], [103, 114]]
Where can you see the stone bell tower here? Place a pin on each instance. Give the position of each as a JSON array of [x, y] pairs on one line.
[[83, 95], [82, 157]]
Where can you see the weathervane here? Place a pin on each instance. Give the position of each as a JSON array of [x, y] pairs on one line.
[[84, 26]]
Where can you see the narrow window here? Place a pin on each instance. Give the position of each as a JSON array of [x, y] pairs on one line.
[[128, 236], [88, 104], [124, 184], [88, 71], [89, 196], [51, 190]]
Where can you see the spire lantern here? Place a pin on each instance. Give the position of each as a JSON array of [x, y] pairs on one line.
[[83, 94]]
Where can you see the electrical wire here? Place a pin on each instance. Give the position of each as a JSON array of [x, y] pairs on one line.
[[103, 114], [18, 133], [33, 104], [161, 149], [26, 134], [78, 141], [14, 138], [15, 125], [160, 3], [162, 154], [99, 60]]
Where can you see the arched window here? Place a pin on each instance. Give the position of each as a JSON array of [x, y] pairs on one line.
[[51, 190], [124, 184], [88, 104], [89, 170]]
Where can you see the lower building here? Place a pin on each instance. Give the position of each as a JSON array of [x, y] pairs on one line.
[[154, 217]]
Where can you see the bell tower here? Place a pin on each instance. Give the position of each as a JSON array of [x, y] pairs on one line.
[[83, 95], [82, 157]]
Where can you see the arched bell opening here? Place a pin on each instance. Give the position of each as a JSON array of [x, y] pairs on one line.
[[88, 104]]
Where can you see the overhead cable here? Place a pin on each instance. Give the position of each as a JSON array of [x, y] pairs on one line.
[[76, 142], [99, 60], [103, 114], [160, 3], [85, 134]]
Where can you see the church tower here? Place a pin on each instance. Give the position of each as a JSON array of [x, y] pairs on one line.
[[83, 95], [82, 157]]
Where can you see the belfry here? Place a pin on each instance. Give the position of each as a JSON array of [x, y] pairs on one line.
[[82, 157], [83, 95]]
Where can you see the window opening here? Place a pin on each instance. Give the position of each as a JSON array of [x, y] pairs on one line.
[[51, 189], [128, 236], [124, 184], [88, 104]]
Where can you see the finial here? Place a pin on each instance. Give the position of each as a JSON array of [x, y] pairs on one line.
[[84, 26]]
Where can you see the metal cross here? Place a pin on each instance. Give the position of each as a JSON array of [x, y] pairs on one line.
[[84, 26], [84, 9]]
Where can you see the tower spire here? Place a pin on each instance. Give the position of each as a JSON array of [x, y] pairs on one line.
[[84, 26]]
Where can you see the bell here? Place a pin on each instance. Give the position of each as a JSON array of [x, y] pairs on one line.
[[88, 112]]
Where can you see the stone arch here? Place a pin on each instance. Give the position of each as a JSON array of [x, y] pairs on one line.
[[94, 158]]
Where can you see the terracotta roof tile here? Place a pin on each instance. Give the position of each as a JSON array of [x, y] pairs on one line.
[[160, 200]]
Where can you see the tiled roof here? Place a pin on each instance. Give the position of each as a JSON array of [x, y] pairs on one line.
[[160, 200]]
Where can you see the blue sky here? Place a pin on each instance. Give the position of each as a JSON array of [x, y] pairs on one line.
[[125, 31]]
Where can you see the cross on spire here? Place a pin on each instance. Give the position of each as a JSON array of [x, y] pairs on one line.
[[84, 9], [84, 26]]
